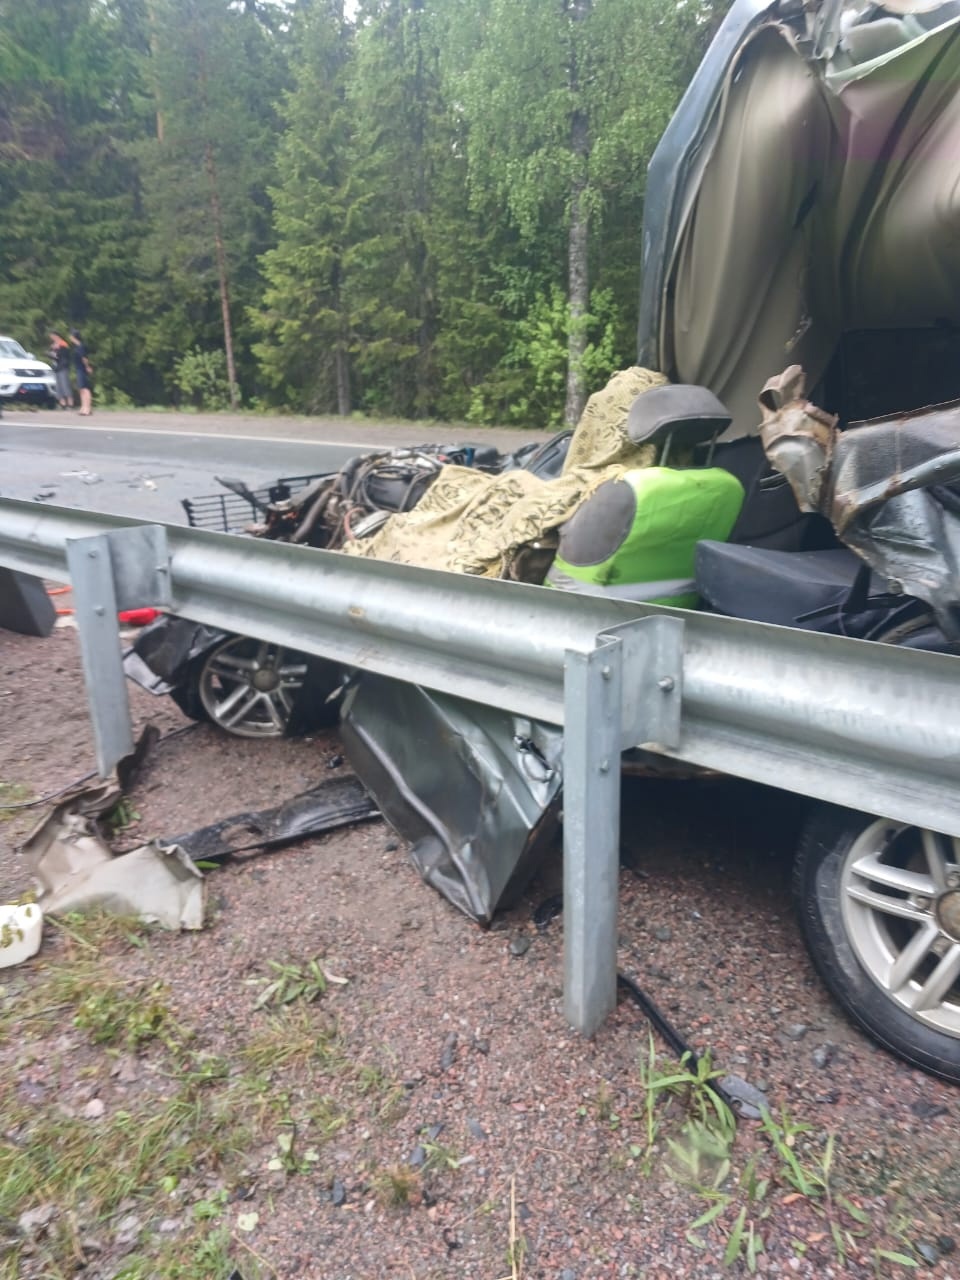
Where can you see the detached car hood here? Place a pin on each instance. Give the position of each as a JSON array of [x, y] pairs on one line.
[[806, 186]]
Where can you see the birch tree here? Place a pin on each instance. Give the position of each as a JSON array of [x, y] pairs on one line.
[[564, 100]]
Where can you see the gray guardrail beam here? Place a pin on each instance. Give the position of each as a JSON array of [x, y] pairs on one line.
[[856, 723]]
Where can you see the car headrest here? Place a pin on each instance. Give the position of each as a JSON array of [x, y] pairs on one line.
[[691, 415]]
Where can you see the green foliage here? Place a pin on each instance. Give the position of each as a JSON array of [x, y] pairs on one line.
[[131, 1018], [691, 1133], [187, 1134], [401, 128], [700, 1153], [121, 816], [783, 1134], [12, 794], [201, 378], [70, 103], [288, 1158], [205, 1210], [213, 75], [305, 321], [374, 206], [540, 347], [564, 104]]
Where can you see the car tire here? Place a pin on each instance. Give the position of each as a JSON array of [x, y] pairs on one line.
[[187, 694], [879, 908], [253, 689]]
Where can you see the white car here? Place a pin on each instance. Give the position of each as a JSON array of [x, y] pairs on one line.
[[23, 378]]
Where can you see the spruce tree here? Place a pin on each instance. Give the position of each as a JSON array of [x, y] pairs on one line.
[[392, 281], [205, 176], [70, 103], [304, 321]]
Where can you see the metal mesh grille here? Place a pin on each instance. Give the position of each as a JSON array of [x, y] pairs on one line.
[[229, 512]]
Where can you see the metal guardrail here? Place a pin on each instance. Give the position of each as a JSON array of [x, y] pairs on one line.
[[864, 725]]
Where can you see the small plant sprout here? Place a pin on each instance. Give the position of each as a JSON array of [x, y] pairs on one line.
[[397, 1187], [295, 982]]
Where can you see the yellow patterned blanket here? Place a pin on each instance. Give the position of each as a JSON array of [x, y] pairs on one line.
[[494, 526]]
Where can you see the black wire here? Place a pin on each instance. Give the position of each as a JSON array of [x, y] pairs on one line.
[[671, 1035], [53, 795]]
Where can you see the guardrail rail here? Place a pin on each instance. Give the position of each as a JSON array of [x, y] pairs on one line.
[[864, 725]]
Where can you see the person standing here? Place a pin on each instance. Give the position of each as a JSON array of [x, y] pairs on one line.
[[60, 359], [84, 373]]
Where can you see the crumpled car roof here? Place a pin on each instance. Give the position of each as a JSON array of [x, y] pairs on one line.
[[806, 186]]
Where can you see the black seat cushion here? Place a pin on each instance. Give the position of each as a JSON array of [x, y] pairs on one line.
[[772, 586]]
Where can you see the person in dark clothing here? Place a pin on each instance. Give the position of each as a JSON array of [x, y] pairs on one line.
[[60, 359], [84, 372]]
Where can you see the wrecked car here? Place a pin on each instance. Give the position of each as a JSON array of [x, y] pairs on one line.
[[801, 210], [244, 686], [254, 689]]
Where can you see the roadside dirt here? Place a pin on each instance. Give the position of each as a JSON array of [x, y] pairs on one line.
[[433, 1116]]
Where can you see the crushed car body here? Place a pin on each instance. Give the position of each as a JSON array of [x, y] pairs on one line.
[[801, 210]]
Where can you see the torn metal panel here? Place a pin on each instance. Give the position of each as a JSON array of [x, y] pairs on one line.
[[886, 486], [162, 652], [339, 802], [75, 870], [475, 790]]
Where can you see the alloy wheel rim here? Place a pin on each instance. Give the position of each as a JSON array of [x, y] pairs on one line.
[[247, 687], [900, 900]]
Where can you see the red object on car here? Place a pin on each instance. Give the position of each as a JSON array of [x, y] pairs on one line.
[[137, 617]]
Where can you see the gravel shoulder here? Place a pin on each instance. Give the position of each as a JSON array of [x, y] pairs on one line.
[[433, 1116]]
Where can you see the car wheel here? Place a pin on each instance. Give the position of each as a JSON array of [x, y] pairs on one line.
[[879, 906], [187, 695], [259, 690]]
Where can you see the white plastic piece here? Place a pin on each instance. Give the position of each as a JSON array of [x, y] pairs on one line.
[[20, 930]]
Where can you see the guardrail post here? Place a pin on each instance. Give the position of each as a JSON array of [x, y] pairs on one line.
[[591, 831], [95, 605], [625, 693], [123, 569]]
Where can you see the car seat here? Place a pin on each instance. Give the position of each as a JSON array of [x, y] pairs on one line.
[[635, 537]]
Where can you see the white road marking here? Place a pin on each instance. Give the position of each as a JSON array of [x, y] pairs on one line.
[[190, 435]]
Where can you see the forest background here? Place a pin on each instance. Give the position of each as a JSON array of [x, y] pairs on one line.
[[411, 208]]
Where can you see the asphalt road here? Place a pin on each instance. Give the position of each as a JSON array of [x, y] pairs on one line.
[[143, 464]]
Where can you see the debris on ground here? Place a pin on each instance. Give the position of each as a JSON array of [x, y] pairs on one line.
[[75, 869], [21, 926], [198, 1086], [336, 802]]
